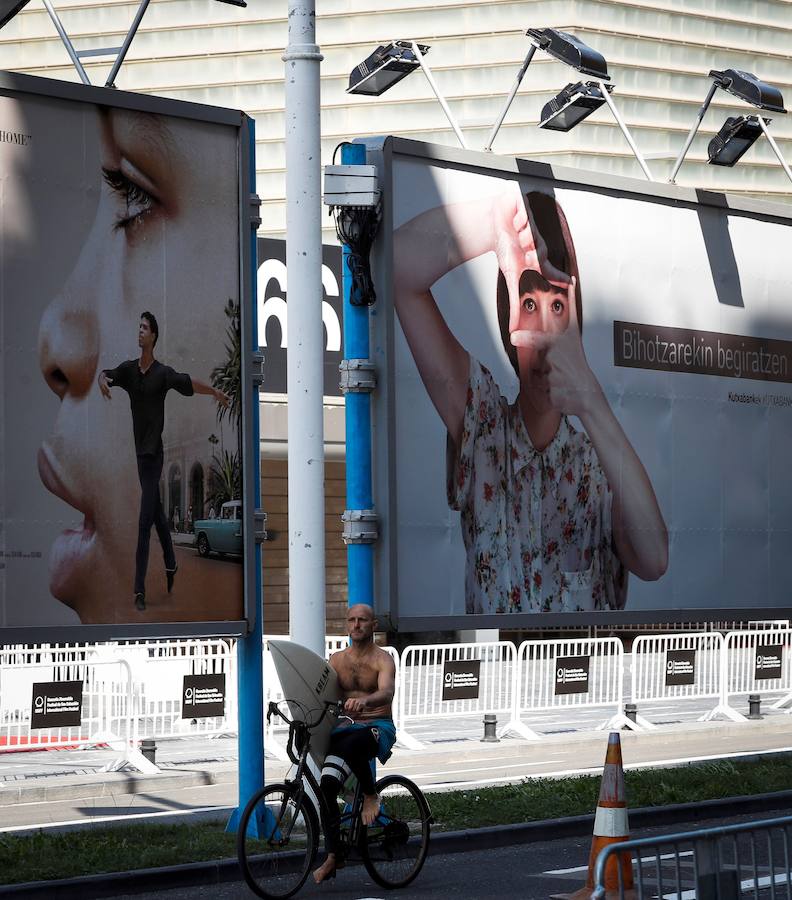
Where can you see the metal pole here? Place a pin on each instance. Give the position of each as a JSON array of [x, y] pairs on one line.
[[127, 41], [305, 369], [360, 557], [67, 43], [512, 95], [693, 130], [625, 132], [440, 98], [249, 649], [775, 147]]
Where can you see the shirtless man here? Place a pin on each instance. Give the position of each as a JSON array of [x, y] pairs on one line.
[[367, 677]]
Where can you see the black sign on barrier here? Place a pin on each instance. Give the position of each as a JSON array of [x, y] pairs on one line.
[[461, 679], [769, 662], [572, 674], [56, 704], [203, 696], [680, 667]]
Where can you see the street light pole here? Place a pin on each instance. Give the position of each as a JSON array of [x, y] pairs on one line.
[[305, 358]]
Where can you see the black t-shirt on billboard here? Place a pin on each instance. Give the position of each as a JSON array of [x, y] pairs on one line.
[[147, 392]]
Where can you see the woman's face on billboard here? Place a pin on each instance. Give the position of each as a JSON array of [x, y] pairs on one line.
[[544, 310], [159, 242]]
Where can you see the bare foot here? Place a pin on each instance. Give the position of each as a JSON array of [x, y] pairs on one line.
[[371, 805], [326, 870]]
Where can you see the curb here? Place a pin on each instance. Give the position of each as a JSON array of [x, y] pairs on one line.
[[227, 870]]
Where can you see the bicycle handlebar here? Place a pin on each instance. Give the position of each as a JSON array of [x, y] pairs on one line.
[[274, 709]]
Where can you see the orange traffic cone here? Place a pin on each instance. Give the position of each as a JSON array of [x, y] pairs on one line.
[[610, 827]]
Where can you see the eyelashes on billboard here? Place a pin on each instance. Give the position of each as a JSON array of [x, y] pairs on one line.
[[138, 202]]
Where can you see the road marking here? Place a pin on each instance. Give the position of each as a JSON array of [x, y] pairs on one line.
[[478, 769], [644, 859], [221, 811]]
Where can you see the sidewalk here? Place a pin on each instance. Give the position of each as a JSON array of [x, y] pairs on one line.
[[69, 788]]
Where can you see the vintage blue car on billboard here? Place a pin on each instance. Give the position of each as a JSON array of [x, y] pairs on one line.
[[222, 534]]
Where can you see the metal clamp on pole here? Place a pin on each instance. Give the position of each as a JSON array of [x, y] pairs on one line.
[[255, 211], [257, 367], [259, 526], [358, 376], [360, 526]]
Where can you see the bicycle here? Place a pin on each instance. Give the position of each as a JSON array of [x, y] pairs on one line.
[[278, 835]]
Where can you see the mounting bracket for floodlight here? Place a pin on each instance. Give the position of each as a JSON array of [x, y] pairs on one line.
[[119, 52], [746, 87], [416, 49], [566, 48]]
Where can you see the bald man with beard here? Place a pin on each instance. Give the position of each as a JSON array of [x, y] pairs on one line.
[[367, 678]]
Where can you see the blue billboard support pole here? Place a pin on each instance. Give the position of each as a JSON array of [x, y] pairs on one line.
[[360, 555], [250, 669]]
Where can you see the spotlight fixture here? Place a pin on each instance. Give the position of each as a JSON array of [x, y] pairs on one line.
[[749, 88], [575, 101], [242, 3], [386, 66], [9, 8], [737, 134], [573, 104], [571, 51]]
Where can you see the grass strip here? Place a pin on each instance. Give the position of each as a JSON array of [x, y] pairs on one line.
[[42, 856]]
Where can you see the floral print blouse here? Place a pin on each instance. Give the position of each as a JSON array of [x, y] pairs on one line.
[[536, 526]]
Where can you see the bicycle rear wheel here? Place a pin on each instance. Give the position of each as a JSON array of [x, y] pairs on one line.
[[394, 848], [277, 841]]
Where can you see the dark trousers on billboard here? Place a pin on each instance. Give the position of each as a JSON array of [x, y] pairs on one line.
[[151, 513]]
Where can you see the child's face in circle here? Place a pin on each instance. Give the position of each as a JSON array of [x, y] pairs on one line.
[[166, 214]]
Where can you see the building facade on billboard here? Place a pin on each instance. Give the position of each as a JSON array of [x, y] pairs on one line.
[[122, 363], [587, 399]]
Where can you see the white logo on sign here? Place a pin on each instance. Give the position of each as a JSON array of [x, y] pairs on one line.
[[448, 678], [273, 270], [188, 695], [39, 702]]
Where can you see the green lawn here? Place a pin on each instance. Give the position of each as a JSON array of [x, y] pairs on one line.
[[37, 857]]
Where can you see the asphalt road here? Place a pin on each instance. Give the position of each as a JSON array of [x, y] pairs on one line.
[[530, 872]]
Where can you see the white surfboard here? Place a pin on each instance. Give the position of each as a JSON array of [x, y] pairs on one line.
[[309, 681]]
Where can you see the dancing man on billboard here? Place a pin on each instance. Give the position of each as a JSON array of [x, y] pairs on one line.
[[147, 381]]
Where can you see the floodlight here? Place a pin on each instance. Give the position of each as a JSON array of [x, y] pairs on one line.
[[386, 66], [9, 8], [573, 104], [749, 88], [737, 134], [242, 3], [568, 49]]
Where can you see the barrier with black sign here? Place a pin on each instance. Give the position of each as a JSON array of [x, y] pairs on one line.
[[423, 693], [756, 662], [567, 674], [675, 667]]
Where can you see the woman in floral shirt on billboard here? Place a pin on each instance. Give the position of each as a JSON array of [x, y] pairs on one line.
[[553, 519]]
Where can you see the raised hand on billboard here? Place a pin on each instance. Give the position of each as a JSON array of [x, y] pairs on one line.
[[550, 330], [104, 387]]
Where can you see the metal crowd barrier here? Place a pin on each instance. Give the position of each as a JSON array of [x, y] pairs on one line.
[[676, 667], [108, 703], [755, 662], [568, 674], [721, 863], [429, 675]]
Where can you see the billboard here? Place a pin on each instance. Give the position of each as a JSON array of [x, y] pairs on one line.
[[585, 397], [124, 300]]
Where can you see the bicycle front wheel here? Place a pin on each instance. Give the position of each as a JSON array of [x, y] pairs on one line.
[[395, 846], [277, 841]]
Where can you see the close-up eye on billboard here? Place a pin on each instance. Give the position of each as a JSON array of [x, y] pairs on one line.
[[587, 399], [121, 393]]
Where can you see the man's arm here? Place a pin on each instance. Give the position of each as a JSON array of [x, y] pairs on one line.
[[201, 387], [109, 378]]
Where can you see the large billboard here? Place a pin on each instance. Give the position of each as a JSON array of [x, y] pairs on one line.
[[124, 300], [584, 412]]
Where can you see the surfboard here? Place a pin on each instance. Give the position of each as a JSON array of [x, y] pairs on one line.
[[307, 680]]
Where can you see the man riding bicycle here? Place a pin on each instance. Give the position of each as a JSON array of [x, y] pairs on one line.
[[367, 678]]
